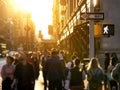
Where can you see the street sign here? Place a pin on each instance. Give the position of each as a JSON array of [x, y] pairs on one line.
[[92, 16]]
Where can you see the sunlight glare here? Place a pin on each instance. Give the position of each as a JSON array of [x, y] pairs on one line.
[[41, 12], [95, 2]]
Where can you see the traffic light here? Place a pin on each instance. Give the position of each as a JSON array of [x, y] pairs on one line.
[[102, 29], [108, 29], [97, 30]]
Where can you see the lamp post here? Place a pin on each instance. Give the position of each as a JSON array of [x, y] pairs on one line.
[[11, 33], [27, 29]]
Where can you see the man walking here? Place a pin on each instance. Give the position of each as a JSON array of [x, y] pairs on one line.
[[54, 71], [24, 74]]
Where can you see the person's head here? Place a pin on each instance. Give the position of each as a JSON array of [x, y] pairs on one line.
[[77, 62], [34, 54], [73, 57], [23, 58], [107, 54], [54, 53], [75, 53], [9, 60], [44, 52], [113, 54], [16, 55], [93, 63]]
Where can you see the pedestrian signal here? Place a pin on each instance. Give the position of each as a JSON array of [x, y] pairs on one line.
[[108, 29]]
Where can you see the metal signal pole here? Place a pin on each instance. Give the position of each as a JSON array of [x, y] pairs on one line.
[[91, 38]]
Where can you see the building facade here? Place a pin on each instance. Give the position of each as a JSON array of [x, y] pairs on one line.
[[12, 27], [74, 32]]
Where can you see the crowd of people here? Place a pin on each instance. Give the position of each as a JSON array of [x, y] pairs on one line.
[[20, 72], [22, 69]]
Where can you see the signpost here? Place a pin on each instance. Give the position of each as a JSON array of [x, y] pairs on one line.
[[92, 16], [91, 33]]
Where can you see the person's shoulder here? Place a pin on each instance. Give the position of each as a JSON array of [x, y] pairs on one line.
[[117, 66], [75, 69], [49, 59], [42, 56], [18, 66], [30, 64], [100, 70], [4, 66]]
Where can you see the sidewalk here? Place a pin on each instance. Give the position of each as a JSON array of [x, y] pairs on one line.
[[39, 83]]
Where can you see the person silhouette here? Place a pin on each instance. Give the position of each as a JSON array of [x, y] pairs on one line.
[[106, 29]]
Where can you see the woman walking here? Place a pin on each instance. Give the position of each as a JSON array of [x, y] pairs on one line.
[[7, 74], [95, 75]]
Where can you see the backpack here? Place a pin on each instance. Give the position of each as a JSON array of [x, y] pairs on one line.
[[94, 81], [76, 78], [116, 73]]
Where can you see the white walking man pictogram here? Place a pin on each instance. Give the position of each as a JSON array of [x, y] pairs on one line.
[[106, 29]]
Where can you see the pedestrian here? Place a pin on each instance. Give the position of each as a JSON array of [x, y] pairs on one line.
[[114, 58], [29, 54], [35, 63], [61, 57], [95, 75], [16, 58], [112, 83], [106, 60], [106, 64], [24, 74], [72, 61], [67, 75], [116, 74], [69, 65], [55, 71], [7, 74], [44, 58], [77, 77]]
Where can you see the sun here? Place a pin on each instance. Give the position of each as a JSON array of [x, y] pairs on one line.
[[41, 12]]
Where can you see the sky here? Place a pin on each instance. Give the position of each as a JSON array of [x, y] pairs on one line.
[[41, 11]]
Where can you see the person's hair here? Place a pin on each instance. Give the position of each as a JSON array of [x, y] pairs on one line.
[[23, 56], [113, 54], [107, 54], [73, 57], [54, 53], [77, 62], [10, 58], [93, 63]]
